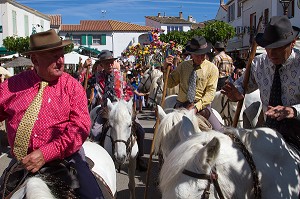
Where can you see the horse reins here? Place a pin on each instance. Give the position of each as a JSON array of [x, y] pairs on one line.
[[213, 177], [156, 93]]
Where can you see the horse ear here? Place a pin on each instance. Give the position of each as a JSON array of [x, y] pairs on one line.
[[152, 67], [186, 129], [194, 119], [161, 112], [211, 152], [109, 104]]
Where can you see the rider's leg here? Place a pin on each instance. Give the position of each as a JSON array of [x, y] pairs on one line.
[[89, 188], [140, 133], [213, 120], [96, 129]]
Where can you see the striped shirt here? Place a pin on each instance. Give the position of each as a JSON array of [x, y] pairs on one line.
[[224, 63]]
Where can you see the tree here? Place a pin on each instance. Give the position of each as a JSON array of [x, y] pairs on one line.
[[16, 44], [218, 31], [21, 44], [213, 31]]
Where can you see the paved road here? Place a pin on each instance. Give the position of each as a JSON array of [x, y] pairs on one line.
[[147, 120]]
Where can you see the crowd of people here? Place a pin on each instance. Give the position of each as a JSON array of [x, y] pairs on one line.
[[47, 111]]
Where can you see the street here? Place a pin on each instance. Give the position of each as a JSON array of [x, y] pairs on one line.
[[147, 120]]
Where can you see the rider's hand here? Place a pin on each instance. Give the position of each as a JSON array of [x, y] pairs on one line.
[[33, 161], [280, 112], [88, 62], [168, 61], [232, 92]]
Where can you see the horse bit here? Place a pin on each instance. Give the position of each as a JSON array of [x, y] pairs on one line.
[[213, 177]]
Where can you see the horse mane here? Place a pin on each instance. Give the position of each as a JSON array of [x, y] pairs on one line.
[[168, 130]]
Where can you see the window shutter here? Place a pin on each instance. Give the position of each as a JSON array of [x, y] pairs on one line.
[[90, 39], [103, 39], [83, 39]]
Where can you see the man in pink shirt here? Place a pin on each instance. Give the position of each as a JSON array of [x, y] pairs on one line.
[[63, 121]]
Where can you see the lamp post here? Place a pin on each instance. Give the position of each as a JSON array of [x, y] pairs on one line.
[[285, 5]]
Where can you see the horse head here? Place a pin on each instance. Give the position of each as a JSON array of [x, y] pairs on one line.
[[147, 80], [120, 122], [169, 131]]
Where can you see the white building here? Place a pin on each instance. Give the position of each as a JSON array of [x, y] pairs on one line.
[[170, 23], [20, 21], [244, 16], [111, 35]]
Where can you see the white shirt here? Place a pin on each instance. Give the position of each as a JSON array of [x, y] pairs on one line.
[[262, 74]]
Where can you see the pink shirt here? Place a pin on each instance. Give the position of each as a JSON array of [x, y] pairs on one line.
[[63, 123]]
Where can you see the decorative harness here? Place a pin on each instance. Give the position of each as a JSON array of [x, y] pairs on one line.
[[213, 177]]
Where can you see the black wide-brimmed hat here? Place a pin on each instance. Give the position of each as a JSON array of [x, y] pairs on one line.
[[278, 32], [106, 55], [219, 44], [45, 41], [198, 45]]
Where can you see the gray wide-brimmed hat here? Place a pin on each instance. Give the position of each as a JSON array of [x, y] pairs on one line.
[[278, 32], [198, 45], [219, 44], [45, 41], [106, 55]]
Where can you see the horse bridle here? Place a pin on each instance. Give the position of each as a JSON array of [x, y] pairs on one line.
[[144, 83], [156, 93], [213, 177]]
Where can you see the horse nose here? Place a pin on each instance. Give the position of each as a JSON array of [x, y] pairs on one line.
[[120, 159]]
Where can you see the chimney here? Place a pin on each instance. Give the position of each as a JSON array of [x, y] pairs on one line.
[[158, 14], [180, 15], [190, 18], [221, 2]]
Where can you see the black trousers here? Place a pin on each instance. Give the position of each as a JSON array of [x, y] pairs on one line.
[[88, 186]]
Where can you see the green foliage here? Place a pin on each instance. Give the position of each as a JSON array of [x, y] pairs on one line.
[[218, 31], [68, 48], [213, 31], [16, 44]]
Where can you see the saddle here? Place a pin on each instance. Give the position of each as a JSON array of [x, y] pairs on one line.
[[59, 175]]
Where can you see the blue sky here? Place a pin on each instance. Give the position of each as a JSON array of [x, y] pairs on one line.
[[133, 11]]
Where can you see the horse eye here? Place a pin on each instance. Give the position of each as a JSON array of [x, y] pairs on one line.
[[129, 125]]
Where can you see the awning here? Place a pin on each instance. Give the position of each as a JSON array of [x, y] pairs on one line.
[[4, 51]]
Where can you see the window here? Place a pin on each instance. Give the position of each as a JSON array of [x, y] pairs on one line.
[[291, 10], [266, 16], [76, 40], [252, 26], [26, 25], [180, 28], [239, 8], [231, 12], [42, 25], [96, 40], [14, 22]]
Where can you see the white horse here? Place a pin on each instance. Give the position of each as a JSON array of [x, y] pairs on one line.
[[168, 134], [120, 141], [103, 169], [250, 111], [153, 83], [196, 165]]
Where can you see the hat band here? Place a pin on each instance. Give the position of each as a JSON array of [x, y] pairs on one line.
[[47, 46], [200, 47]]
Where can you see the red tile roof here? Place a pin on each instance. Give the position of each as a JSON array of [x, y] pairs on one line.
[[104, 26], [55, 20], [168, 20]]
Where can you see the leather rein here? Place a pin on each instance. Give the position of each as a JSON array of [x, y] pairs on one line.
[[213, 177]]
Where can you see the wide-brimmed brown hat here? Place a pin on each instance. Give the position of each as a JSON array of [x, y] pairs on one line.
[[106, 55], [44, 41], [198, 45], [278, 32]]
